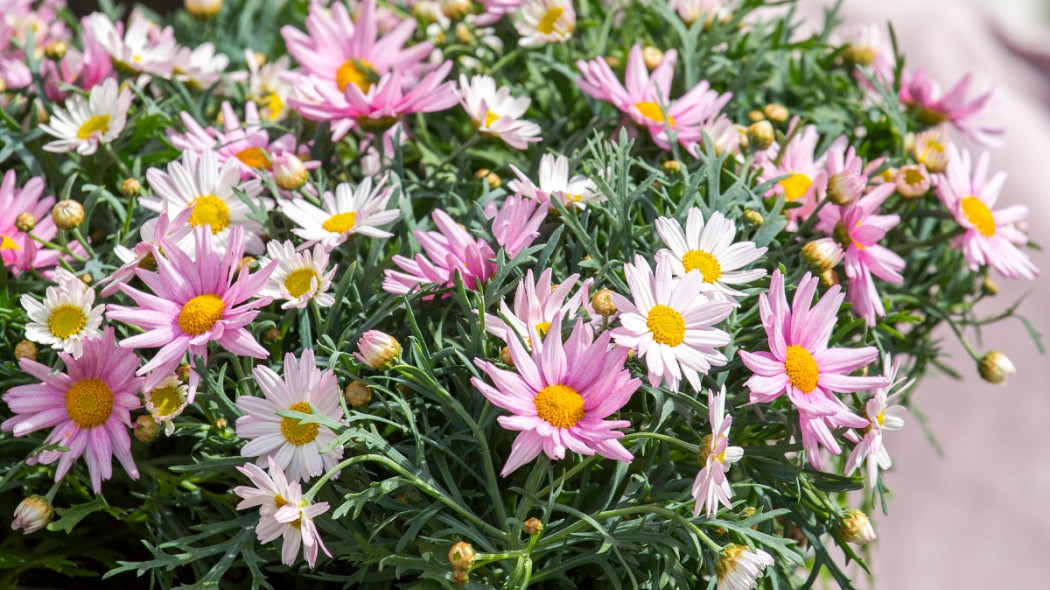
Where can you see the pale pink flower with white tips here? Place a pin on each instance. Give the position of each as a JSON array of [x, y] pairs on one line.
[[152, 231], [349, 211], [545, 21], [517, 223], [806, 174], [711, 486], [495, 112], [18, 251], [801, 365], [935, 106], [450, 251], [561, 395], [883, 414], [142, 48], [300, 276], [555, 184], [536, 302], [992, 237], [84, 124], [200, 67]]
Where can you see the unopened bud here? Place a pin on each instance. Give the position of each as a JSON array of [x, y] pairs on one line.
[[427, 11], [454, 8], [822, 254], [504, 355], [272, 336], [602, 303], [357, 394], [614, 62], [3, 86], [995, 367], [25, 222], [652, 57], [87, 279], [760, 136], [829, 278], [672, 167], [289, 172], [183, 372], [856, 528], [844, 188], [461, 555], [26, 350], [220, 424], [378, 350], [493, 179], [146, 429], [989, 287], [532, 526], [931, 149], [246, 262], [776, 113], [913, 181], [460, 577], [130, 187], [67, 214], [753, 218], [55, 50], [203, 8], [32, 514], [755, 116], [859, 55], [463, 33]]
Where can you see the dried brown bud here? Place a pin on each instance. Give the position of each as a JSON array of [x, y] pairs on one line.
[[272, 336], [602, 303], [26, 350], [460, 577], [146, 429], [532, 526], [461, 555], [357, 394], [183, 372], [504, 355]]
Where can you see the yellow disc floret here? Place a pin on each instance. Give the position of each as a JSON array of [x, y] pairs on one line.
[[200, 314], [300, 281], [704, 262], [358, 72], [210, 210], [560, 405], [255, 157], [652, 111], [89, 402], [796, 186], [165, 400], [666, 325], [979, 215], [294, 431], [340, 222], [801, 368], [546, 24], [96, 124], [66, 320]]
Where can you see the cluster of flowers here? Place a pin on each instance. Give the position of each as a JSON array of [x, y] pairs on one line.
[[189, 285]]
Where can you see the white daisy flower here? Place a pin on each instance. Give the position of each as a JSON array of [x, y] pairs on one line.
[[711, 486], [267, 85], [142, 48], [670, 323], [197, 182], [739, 567], [496, 112], [300, 276], [709, 249], [65, 318], [883, 414], [295, 446], [85, 123], [546, 21], [349, 211], [555, 183], [166, 401], [536, 302], [200, 67]]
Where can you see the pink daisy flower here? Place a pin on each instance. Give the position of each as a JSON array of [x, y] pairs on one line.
[[711, 486], [194, 302], [806, 175], [17, 250], [89, 404], [152, 232], [935, 106], [800, 363], [561, 395], [450, 251], [517, 223], [536, 302], [883, 414], [992, 237]]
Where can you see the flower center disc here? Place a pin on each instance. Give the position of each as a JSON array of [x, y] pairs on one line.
[[795, 186], [666, 325], [358, 72], [543, 328], [89, 402], [490, 118], [300, 282], [165, 400], [255, 157], [801, 368], [704, 262], [294, 431], [200, 314], [546, 24], [6, 243], [560, 405], [340, 223], [96, 124], [652, 111], [210, 210], [979, 215], [66, 320]]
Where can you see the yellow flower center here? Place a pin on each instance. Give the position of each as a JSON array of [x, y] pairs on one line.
[[89, 402], [200, 314], [294, 431], [704, 262], [932, 148], [66, 320], [653, 112], [210, 210], [543, 328], [705, 449], [255, 157], [358, 72], [6, 243], [275, 105], [727, 560], [913, 176], [279, 501], [490, 118], [546, 24], [560, 405], [801, 368], [340, 222], [880, 417], [979, 215], [666, 325], [300, 281], [96, 124], [796, 186], [165, 400]]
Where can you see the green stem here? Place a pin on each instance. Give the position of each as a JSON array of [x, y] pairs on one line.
[[54, 246]]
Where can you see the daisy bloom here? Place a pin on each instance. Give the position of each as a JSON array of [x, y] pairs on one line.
[[295, 446], [884, 413], [495, 112], [299, 277], [197, 182], [89, 404], [494, 10], [867, 49], [152, 232], [450, 251], [561, 395], [555, 184], [18, 251], [691, 11], [800, 363], [194, 302], [166, 401], [283, 512], [65, 318], [516, 224], [201, 67], [670, 323], [931, 149], [536, 302], [142, 48], [267, 85], [934, 106], [84, 124], [711, 486], [546, 21], [709, 248], [739, 567], [349, 211], [806, 175], [992, 237]]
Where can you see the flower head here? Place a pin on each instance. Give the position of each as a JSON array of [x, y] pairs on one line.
[[65, 318], [556, 185], [18, 251], [546, 21], [166, 401], [84, 124], [175, 230], [536, 303], [200, 67], [300, 277], [711, 486], [378, 350], [268, 86], [349, 211], [934, 106], [806, 174], [883, 414], [496, 112], [739, 567], [451, 251], [516, 224], [142, 48]]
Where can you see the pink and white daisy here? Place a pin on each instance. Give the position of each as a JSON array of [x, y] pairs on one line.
[[561, 395], [294, 445], [348, 212], [555, 184], [545, 21], [536, 302], [85, 124], [516, 224], [142, 48], [194, 302], [691, 11], [934, 106], [805, 171], [494, 10], [299, 277], [670, 323], [709, 249], [152, 232], [166, 401], [267, 85], [283, 512], [496, 113], [711, 486], [65, 319], [450, 252], [739, 567], [867, 49], [883, 414], [200, 67], [992, 237], [18, 251], [89, 404], [800, 363]]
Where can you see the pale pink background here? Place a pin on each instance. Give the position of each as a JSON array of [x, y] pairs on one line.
[[978, 518]]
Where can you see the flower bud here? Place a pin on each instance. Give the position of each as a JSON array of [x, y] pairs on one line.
[[504, 356], [613, 61], [760, 136], [461, 556], [989, 287], [289, 172], [67, 214], [32, 514], [146, 429], [532, 526], [856, 528], [652, 57], [844, 188], [460, 577], [378, 350], [829, 278], [753, 218], [427, 11], [55, 50], [183, 372], [755, 116], [776, 113], [220, 424], [246, 262], [602, 303], [672, 167], [203, 8], [454, 8], [995, 367], [930, 149], [3, 86], [130, 187], [859, 55], [357, 394], [822, 254], [272, 336], [25, 350], [912, 181], [25, 222], [742, 565], [490, 177]]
